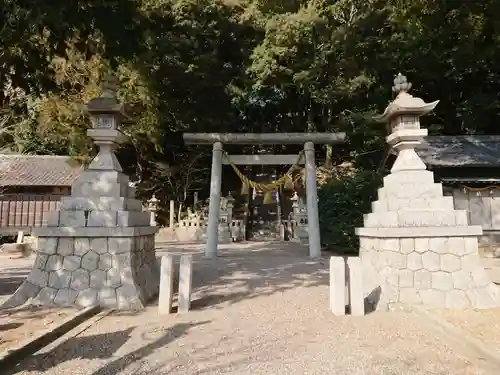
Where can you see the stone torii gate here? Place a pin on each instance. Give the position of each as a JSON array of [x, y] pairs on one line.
[[218, 139]]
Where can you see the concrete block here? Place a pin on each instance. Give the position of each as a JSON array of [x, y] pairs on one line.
[[120, 245], [72, 262], [414, 261], [461, 218], [65, 246], [450, 263], [47, 245], [82, 245], [407, 245], [337, 285], [102, 219], [38, 277], [54, 263], [90, 261], [356, 295], [59, 279], [80, 279], [99, 204], [438, 245], [185, 282], [431, 261], [114, 278], [41, 261], [87, 298], [426, 218], [107, 297], [52, 219], [409, 177], [132, 219], [105, 262], [423, 279], [20, 237], [166, 284], [442, 281], [99, 245], [72, 218], [65, 297]]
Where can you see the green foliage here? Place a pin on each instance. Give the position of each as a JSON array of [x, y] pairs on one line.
[[342, 203], [241, 65]]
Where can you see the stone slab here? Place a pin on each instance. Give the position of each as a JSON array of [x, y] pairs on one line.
[[100, 204], [337, 285], [185, 282], [410, 232], [93, 232], [356, 291], [166, 285]]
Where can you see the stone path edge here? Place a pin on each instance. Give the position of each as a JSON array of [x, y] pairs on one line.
[[459, 335], [11, 357]]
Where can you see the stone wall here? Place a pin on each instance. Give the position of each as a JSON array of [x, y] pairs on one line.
[[90, 271], [433, 271]]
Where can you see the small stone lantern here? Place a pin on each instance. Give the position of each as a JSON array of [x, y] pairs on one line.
[[230, 206], [153, 206], [295, 204]]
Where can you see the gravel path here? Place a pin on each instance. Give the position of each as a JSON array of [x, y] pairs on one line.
[[258, 312]]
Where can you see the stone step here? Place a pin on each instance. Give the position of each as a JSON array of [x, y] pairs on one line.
[[441, 203], [410, 190], [416, 218], [409, 177]]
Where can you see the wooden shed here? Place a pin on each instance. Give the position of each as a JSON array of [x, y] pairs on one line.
[[31, 186]]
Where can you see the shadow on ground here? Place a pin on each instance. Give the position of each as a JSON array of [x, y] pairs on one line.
[[11, 279], [250, 270], [102, 347]]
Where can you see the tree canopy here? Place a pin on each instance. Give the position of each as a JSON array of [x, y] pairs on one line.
[[241, 65]]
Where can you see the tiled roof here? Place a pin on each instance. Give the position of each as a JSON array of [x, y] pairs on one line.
[[460, 151], [37, 170]]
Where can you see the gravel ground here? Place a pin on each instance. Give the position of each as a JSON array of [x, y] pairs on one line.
[[19, 324], [481, 324], [258, 312]]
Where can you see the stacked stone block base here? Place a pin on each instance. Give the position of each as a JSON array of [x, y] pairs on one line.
[[114, 272], [438, 272]]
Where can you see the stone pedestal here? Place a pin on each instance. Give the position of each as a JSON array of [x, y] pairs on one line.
[[225, 218], [301, 233], [98, 249], [300, 217], [224, 234], [415, 248]]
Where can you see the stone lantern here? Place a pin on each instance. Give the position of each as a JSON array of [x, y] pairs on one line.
[[225, 217], [403, 117], [295, 204], [153, 206], [415, 248], [299, 215], [230, 206], [98, 248]]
